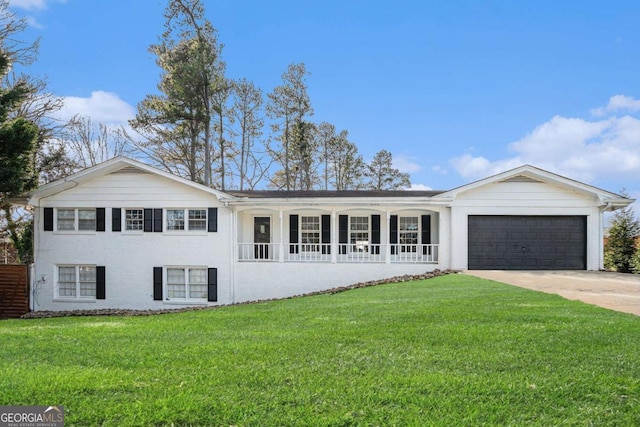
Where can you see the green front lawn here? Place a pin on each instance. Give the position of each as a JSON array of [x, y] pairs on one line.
[[451, 351]]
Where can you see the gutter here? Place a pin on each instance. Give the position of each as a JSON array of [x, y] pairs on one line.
[[311, 201]]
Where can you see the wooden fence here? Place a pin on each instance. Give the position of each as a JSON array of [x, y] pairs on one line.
[[14, 290]]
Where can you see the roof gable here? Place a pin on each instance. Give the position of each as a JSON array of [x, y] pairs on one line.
[[116, 165], [532, 174]]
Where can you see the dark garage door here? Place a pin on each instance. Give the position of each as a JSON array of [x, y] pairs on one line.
[[527, 242]]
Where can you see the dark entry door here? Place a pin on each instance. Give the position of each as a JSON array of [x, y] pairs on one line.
[[261, 236], [527, 242]]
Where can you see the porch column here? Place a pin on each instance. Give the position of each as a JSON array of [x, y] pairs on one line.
[[334, 238], [281, 245], [387, 247]]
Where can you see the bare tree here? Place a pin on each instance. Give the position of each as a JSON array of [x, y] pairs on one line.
[[89, 143], [252, 161], [223, 120]]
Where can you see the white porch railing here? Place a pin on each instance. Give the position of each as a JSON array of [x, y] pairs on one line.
[[345, 253], [414, 253], [307, 252], [361, 252], [259, 252]]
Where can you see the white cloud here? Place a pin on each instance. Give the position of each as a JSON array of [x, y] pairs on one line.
[[406, 164], [420, 187], [101, 106], [618, 103], [578, 148], [439, 170], [33, 4], [33, 23]]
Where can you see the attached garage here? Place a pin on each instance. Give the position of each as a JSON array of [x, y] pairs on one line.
[[517, 242]]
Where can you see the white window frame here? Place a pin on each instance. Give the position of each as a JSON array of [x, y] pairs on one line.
[[187, 282], [78, 289], [359, 246], [310, 237], [128, 221], [188, 223], [76, 220], [410, 247]]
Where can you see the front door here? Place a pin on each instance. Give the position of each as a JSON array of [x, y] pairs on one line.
[[261, 236]]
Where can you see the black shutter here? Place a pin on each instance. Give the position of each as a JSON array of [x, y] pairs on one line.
[[343, 233], [148, 220], [157, 220], [293, 234], [116, 219], [157, 283], [100, 214], [212, 220], [100, 282], [212, 281], [426, 233], [326, 233], [375, 234], [393, 233], [48, 219]]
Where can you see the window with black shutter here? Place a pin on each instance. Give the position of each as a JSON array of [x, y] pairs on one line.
[[212, 220], [116, 219], [293, 234], [375, 234], [48, 219], [157, 283], [343, 233], [393, 233], [100, 219], [212, 281], [100, 282], [326, 234]]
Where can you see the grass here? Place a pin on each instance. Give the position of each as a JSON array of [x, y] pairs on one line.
[[454, 350]]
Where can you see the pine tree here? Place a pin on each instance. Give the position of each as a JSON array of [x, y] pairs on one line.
[[620, 247]]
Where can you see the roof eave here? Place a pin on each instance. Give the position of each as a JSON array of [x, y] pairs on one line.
[[370, 201]]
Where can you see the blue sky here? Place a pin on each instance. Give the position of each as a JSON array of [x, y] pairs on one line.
[[456, 90]]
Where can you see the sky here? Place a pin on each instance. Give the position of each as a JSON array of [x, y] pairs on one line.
[[456, 90]]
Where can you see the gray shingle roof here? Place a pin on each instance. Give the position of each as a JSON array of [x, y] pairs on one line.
[[283, 194]]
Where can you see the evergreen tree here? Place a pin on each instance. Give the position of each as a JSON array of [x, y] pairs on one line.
[[383, 176], [620, 247], [635, 261], [178, 123]]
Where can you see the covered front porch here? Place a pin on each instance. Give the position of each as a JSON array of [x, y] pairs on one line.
[[337, 235]]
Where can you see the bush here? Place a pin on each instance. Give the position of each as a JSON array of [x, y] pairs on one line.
[[635, 261]]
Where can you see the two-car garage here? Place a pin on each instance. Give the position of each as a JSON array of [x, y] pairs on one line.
[[516, 242]]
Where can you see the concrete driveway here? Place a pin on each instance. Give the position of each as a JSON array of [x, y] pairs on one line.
[[616, 291]]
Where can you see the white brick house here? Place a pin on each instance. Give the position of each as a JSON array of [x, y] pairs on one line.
[[125, 235]]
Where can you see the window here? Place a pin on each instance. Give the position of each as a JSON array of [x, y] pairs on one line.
[[76, 219], [310, 233], [196, 219], [77, 281], [408, 233], [66, 219], [359, 233], [186, 283], [134, 220], [175, 219]]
